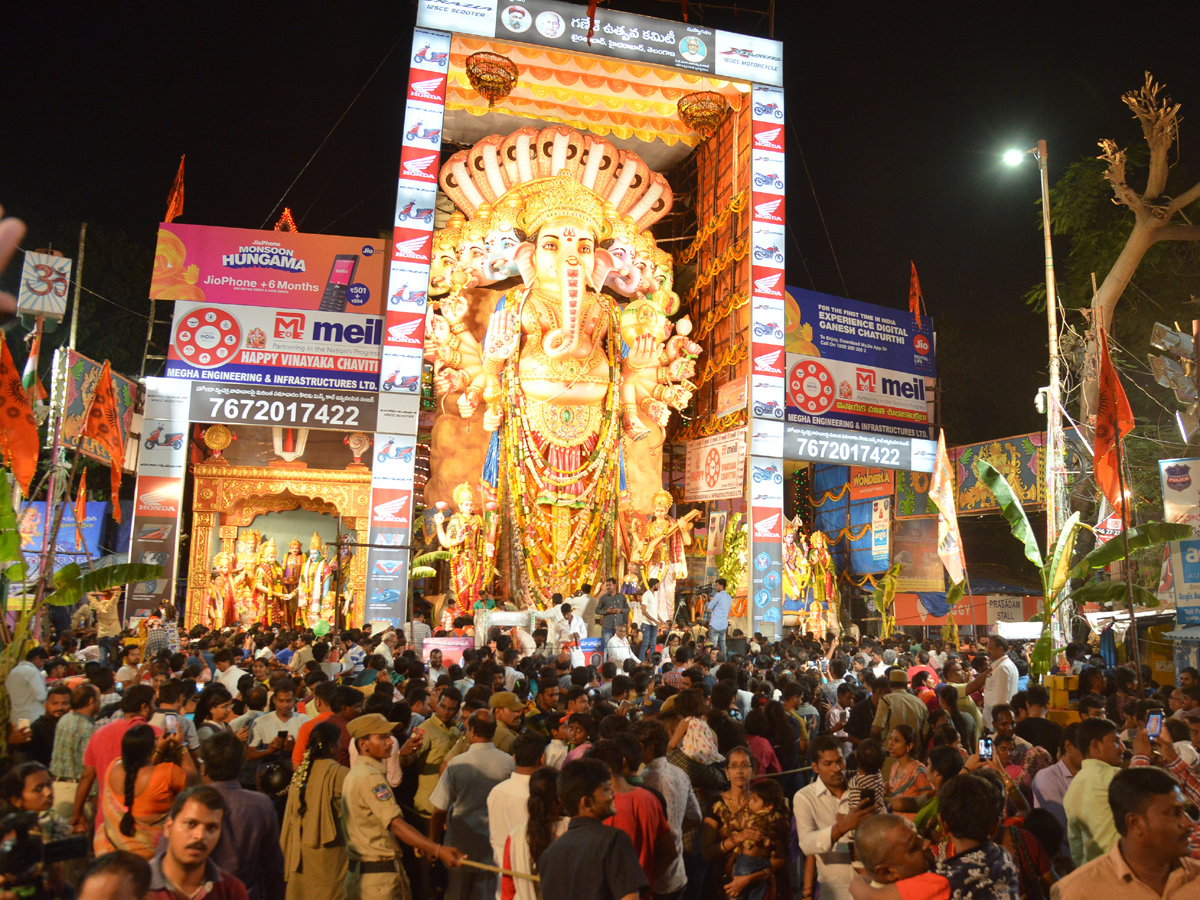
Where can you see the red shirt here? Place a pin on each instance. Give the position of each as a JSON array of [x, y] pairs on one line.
[[641, 816], [104, 747], [302, 737]]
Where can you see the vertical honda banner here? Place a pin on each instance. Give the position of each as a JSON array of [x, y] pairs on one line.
[[416, 200], [766, 545], [394, 456], [162, 464], [767, 328]]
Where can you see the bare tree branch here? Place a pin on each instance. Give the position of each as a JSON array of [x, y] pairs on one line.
[[1178, 233], [1160, 126], [1186, 199], [1115, 157]]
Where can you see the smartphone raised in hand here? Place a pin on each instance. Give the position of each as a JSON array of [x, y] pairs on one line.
[[170, 723], [985, 748], [1154, 723]]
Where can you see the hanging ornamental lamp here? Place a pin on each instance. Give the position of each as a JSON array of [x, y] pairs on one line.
[[703, 111], [492, 75]]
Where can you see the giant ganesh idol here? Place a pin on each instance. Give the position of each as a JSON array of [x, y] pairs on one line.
[[552, 347]]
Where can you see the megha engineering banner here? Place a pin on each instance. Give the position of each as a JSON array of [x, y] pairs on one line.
[[284, 269]]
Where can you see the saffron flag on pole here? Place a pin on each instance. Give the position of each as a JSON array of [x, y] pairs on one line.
[[81, 509], [915, 299], [103, 425], [1114, 420], [941, 492], [18, 427], [175, 198]]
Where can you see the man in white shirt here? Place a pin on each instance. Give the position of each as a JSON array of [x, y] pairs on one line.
[[26, 686], [227, 673], [584, 605], [128, 673], [999, 680], [643, 612], [573, 630], [276, 731], [618, 646], [436, 669], [508, 802], [823, 818], [418, 630]]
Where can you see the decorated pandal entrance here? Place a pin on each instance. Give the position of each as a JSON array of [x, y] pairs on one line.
[[240, 573]]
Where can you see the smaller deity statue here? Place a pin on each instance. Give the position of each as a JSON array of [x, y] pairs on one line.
[[222, 593], [796, 570], [292, 565], [271, 598], [472, 546], [317, 601], [242, 566], [824, 588], [340, 555], [661, 552]]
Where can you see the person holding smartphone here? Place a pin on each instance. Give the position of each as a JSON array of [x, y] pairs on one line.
[[274, 734]]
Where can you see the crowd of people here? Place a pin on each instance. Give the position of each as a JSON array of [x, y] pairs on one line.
[[268, 764]]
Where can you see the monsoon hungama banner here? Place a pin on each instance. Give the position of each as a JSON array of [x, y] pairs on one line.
[[282, 269]]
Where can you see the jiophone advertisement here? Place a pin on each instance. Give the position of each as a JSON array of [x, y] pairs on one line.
[[286, 269]]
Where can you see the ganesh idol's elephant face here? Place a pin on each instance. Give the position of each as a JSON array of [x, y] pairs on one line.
[[564, 264], [624, 276], [473, 256]]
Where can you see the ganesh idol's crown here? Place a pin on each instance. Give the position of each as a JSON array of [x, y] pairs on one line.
[[523, 164], [562, 196]]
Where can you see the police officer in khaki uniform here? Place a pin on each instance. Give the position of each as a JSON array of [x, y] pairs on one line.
[[509, 711], [372, 822]]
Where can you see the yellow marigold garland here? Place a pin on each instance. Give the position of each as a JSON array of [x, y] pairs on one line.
[[736, 205]]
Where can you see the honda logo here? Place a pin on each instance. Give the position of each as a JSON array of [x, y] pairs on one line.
[[769, 363], [767, 211], [404, 333], [765, 528], [768, 285], [427, 89], [419, 167], [413, 248]]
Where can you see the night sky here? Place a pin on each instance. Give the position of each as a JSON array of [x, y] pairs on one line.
[[902, 111]]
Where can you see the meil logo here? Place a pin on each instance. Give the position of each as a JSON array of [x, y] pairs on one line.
[[289, 326], [865, 380], [337, 333], [909, 390]]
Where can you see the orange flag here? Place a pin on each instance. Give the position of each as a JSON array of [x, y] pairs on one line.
[[18, 427], [103, 425], [1114, 420], [914, 294], [941, 492], [80, 510], [175, 198]]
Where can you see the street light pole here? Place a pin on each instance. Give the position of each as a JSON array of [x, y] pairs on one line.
[[1054, 434], [1056, 501]]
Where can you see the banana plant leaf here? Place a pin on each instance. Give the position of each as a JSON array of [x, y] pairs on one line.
[[1012, 511], [68, 590], [1139, 539], [1060, 562], [10, 543], [423, 572], [1113, 592], [428, 559]]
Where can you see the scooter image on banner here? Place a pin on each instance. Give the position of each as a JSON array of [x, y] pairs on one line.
[[156, 438], [416, 133], [404, 454], [425, 55], [408, 212], [404, 295], [407, 383]]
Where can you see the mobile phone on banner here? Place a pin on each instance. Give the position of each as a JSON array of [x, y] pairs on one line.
[[340, 276]]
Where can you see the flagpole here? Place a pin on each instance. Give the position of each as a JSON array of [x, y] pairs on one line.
[[1137, 653], [78, 286]]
